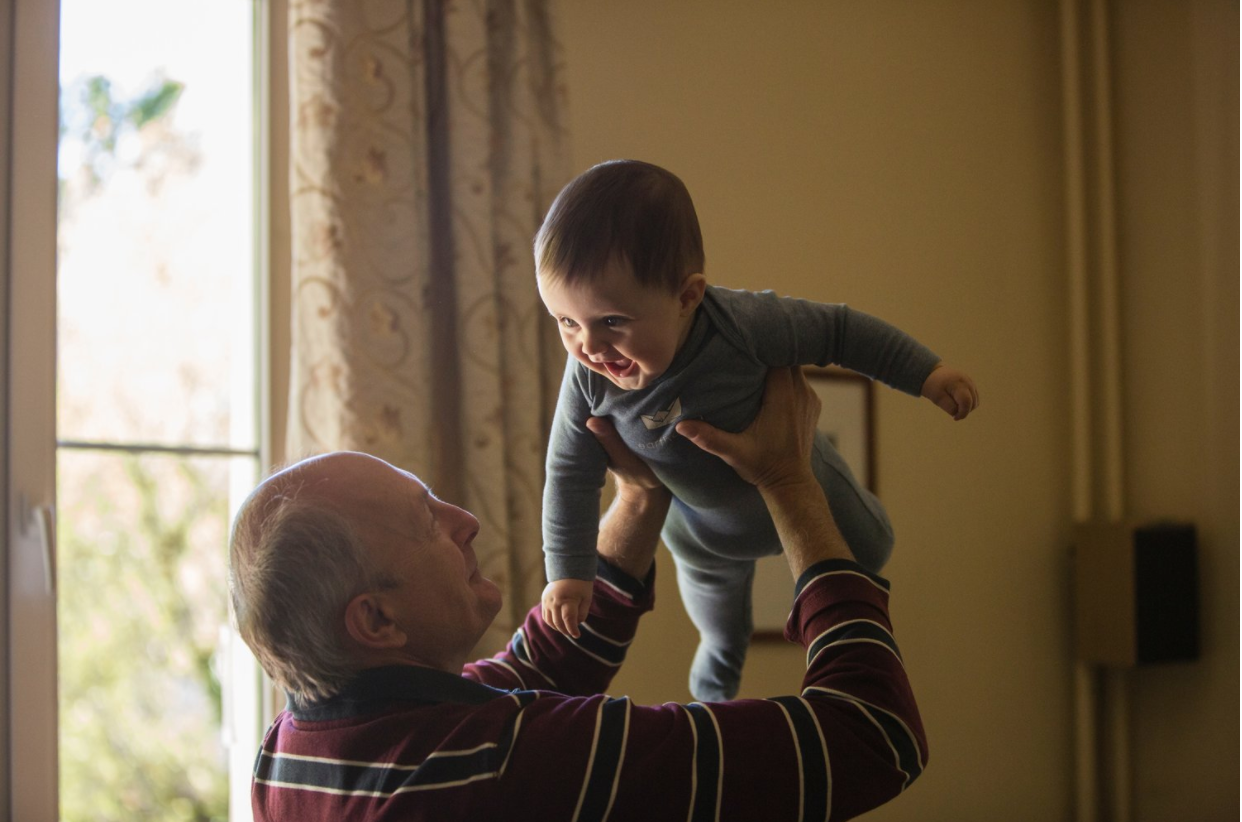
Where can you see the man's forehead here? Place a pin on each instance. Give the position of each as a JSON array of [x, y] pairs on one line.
[[351, 477]]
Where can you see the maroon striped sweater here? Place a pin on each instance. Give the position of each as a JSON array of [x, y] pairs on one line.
[[528, 734]]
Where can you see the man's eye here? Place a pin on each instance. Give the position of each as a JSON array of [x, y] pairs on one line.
[[568, 323]]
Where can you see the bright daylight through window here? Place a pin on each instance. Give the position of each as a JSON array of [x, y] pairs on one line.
[[157, 399]]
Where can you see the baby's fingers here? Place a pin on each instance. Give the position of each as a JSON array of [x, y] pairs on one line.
[[549, 617], [960, 400], [552, 616], [946, 403], [569, 620], [966, 399]]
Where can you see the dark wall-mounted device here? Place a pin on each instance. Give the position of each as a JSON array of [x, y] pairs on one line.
[[1136, 593]]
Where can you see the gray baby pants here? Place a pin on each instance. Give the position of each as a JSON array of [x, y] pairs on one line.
[[716, 567]]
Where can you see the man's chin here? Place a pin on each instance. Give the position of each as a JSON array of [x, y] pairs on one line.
[[491, 596]]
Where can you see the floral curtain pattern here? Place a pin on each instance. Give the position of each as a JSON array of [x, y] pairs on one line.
[[427, 145]]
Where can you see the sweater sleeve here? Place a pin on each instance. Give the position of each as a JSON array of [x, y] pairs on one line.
[[849, 741], [541, 658], [783, 331], [576, 468]]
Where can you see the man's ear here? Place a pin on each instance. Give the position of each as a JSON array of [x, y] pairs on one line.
[[369, 621], [691, 293]]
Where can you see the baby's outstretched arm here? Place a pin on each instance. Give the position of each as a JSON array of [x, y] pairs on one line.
[[953, 390], [566, 603]]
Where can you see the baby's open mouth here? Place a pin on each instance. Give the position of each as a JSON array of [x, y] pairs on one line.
[[619, 368]]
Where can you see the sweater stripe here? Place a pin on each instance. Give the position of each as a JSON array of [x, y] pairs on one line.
[[797, 750], [522, 651], [346, 777], [599, 714], [599, 648], [493, 661], [855, 630], [617, 642], [605, 767], [620, 591], [694, 764], [814, 778], [523, 698], [708, 764], [823, 744], [896, 733], [619, 581], [379, 779], [878, 582]]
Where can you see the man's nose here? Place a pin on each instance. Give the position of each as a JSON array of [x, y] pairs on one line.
[[465, 525]]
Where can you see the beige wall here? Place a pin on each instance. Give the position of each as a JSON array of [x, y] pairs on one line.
[[1177, 161], [906, 158]]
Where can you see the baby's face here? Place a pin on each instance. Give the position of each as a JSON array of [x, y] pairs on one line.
[[618, 327]]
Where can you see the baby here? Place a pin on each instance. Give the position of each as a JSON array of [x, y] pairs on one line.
[[619, 261]]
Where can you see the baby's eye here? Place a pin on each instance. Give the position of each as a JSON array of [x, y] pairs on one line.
[[568, 323], [614, 322]]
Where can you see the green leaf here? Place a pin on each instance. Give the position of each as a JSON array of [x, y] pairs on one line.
[[155, 103]]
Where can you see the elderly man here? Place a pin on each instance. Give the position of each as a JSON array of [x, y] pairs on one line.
[[360, 594]]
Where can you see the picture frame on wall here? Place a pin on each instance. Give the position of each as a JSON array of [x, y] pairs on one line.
[[848, 419]]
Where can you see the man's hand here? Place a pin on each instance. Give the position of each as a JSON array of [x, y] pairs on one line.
[[566, 604], [628, 470], [774, 454], [954, 391], [776, 448]]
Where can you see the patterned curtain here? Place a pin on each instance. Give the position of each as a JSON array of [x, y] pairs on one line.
[[428, 142]]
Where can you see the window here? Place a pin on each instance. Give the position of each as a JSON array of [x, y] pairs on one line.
[[158, 403]]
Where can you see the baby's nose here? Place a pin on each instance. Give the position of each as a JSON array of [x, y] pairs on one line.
[[592, 345]]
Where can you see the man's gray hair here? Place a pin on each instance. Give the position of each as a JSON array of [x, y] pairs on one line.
[[293, 567]]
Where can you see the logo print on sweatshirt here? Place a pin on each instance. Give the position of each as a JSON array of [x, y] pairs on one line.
[[663, 418]]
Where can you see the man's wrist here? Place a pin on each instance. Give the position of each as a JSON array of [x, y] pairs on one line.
[[642, 496], [804, 523], [630, 531], [789, 485]]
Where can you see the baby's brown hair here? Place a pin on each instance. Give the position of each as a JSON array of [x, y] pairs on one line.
[[625, 210]]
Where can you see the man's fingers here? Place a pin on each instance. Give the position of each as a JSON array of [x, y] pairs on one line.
[[604, 431], [624, 464], [702, 434], [606, 435]]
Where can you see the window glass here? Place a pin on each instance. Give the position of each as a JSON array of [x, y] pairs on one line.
[[141, 609], [156, 400], [156, 260]]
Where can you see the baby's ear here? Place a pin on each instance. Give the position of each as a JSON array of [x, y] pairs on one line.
[[691, 293]]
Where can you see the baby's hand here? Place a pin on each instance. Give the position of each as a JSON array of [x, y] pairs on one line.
[[566, 603], [952, 390]]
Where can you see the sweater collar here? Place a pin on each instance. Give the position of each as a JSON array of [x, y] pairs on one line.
[[374, 689]]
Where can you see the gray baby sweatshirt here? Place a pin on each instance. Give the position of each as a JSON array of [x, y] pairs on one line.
[[718, 376]]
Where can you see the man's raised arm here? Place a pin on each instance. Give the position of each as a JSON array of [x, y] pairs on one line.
[[850, 739], [539, 657]]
